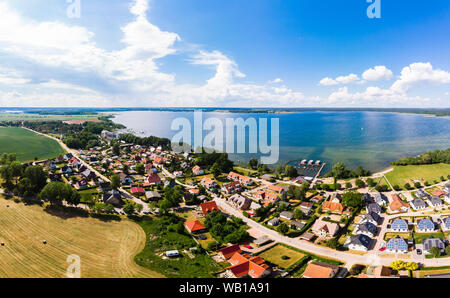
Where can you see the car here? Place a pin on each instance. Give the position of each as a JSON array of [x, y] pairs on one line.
[[419, 252], [201, 237], [382, 248], [247, 246]]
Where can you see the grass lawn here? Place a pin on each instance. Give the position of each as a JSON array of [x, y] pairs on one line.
[[431, 271], [406, 174], [106, 248], [390, 235], [274, 255], [87, 195], [418, 237], [27, 145], [161, 239]]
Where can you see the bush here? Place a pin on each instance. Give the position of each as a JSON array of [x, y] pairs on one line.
[[417, 185]]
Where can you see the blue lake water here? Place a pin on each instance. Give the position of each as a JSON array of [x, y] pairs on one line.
[[369, 139]]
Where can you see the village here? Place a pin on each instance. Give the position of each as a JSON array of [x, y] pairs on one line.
[[279, 225]]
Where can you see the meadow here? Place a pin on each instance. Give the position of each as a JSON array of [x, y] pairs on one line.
[[27, 145], [106, 248], [406, 174]]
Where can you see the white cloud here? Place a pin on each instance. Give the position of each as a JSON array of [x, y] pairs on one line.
[[418, 74], [276, 81], [377, 73], [327, 82], [349, 79]]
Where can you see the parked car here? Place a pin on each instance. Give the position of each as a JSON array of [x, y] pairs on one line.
[[383, 248], [247, 246], [419, 252]]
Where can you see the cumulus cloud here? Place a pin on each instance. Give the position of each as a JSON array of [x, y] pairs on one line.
[[348, 79], [276, 81], [377, 73], [418, 74]]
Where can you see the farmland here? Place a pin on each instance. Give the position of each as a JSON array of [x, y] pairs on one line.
[[27, 145], [106, 248]]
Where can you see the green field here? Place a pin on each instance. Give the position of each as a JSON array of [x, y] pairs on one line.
[[406, 174], [275, 255], [27, 145], [38, 117]]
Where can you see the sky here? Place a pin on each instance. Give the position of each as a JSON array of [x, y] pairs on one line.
[[224, 53]]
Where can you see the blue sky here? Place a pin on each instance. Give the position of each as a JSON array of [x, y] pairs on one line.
[[253, 53]]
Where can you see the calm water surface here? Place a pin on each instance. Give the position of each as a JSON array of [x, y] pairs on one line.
[[370, 139]]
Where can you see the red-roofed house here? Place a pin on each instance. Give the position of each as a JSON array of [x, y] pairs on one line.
[[197, 171], [229, 251], [195, 227], [244, 266], [153, 179], [240, 178], [137, 190], [209, 207]]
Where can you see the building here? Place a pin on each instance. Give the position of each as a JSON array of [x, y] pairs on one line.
[[240, 178], [274, 221], [397, 205], [267, 198], [287, 215], [208, 183], [275, 188], [229, 251], [231, 187], [197, 171], [242, 265], [152, 179], [114, 198], [399, 225], [297, 225], [137, 190], [359, 242], [396, 245], [378, 272], [320, 270], [435, 202], [418, 204], [333, 207], [240, 202], [306, 207], [445, 226], [373, 207], [372, 218], [172, 253], [324, 229], [209, 207], [425, 225], [366, 228], [380, 199], [108, 135], [433, 242], [447, 189], [195, 227], [262, 241], [152, 195]]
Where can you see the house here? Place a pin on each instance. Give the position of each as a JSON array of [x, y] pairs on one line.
[[297, 225], [197, 171], [242, 265], [359, 242], [172, 253], [274, 221], [152, 179], [418, 204], [229, 251], [399, 225], [397, 205], [425, 225], [66, 170], [194, 191], [320, 270], [380, 199], [276, 189], [333, 207], [447, 199], [152, 195], [287, 215], [433, 242], [107, 135], [447, 189], [397, 244], [88, 174], [240, 178], [125, 179], [209, 207], [267, 198], [306, 207], [114, 198], [445, 226], [195, 227], [316, 199], [435, 202], [208, 183], [324, 229], [373, 208], [261, 241], [372, 218], [178, 174], [137, 190], [82, 183], [231, 187], [422, 194], [240, 202], [366, 228]]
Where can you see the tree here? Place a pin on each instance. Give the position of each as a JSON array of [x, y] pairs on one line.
[[37, 177], [352, 199], [435, 252], [359, 183], [339, 171], [290, 171], [412, 266], [283, 228], [298, 214], [398, 265], [407, 186], [116, 149], [417, 184], [333, 243], [115, 182], [447, 250], [370, 182], [348, 185], [57, 192], [253, 163], [129, 208], [140, 169], [279, 169]]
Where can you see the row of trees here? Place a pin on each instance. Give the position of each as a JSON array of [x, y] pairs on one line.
[[225, 231], [437, 156], [147, 141]]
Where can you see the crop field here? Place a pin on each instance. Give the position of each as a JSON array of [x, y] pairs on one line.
[[106, 248], [27, 145]]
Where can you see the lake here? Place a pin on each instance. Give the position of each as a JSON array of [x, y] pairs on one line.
[[369, 139]]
